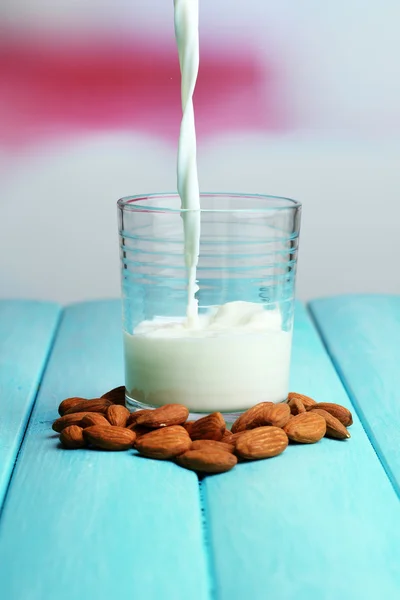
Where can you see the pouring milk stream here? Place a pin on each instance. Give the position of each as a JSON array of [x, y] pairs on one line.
[[187, 38], [237, 354]]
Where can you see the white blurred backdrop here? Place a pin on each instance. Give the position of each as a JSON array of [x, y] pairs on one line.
[[329, 136]]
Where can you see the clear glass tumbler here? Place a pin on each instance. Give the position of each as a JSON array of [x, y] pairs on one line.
[[239, 352]]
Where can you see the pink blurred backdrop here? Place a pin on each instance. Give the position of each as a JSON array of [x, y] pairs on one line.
[[293, 98]]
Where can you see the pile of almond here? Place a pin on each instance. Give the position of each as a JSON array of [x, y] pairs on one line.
[[205, 445]]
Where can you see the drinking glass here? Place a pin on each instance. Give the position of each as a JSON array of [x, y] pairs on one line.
[[239, 354]]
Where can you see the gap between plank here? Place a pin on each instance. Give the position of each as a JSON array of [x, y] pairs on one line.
[[356, 405], [206, 540], [28, 420]]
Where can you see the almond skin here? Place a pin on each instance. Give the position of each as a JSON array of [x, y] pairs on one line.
[[251, 418], [93, 419], [72, 437], [69, 403], [262, 442], [217, 461], [164, 416], [306, 400], [109, 437], [334, 428], [336, 410], [66, 420], [164, 443], [116, 395], [117, 415], [98, 405], [277, 415], [296, 406], [228, 437], [212, 445], [188, 426], [211, 427], [139, 430], [133, 417], [306, 428]]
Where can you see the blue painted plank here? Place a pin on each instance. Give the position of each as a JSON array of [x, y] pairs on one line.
[[318, 522], [26, 332], [89, 524], [362, 335]]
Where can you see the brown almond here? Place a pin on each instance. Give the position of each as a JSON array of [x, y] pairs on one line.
[[217, 461], [251, 418], [66, 420], [98, 405], [334, 428], [133, 417], [117, 415], [108, 437], [212, 445], [139, 430], [93, 419], [211, 427], [296, 406], [228, 437], [306, 400], [306, 428], [277, 415], [188, 426], [164, 443], [72, 437], [164, 416], [336, 410], [116, 395], [263, 442], [69, 403]]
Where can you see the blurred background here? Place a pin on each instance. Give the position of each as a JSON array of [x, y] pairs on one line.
[[300, 99]]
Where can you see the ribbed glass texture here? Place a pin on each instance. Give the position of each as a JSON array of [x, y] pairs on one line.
[[248, 252]]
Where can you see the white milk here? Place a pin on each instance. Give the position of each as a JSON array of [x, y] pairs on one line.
[[187, 38], [227, 360], [237, 356]]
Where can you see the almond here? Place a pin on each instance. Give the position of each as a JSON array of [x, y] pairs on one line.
[[228, 437], [164, 443], [306, 400], [211, 427], [69, 403], [133, 417], [139, 430], [296, 406], [263, 442], [306, 428], [109, 437], [164, 416], [277, 415], [217, 461], [188, 426], [336, 410], [117, 415], [93, 419], [212, 445], [251, 418], [66, 420], [98, 405], [116, 395], [334, 428], [72, 437]]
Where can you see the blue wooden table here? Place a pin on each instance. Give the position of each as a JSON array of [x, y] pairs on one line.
[[317, 523]]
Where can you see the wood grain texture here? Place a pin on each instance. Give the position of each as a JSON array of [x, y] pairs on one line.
[[319, 522], [26, 332], [362, 335], [90, 524]]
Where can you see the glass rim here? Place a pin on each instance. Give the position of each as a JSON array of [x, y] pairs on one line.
[[132, 203]]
